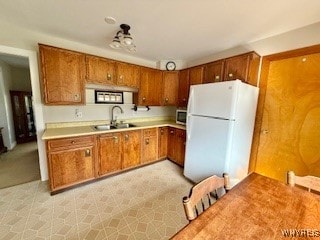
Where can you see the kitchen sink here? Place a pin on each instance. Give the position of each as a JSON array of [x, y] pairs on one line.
[[117, 126]]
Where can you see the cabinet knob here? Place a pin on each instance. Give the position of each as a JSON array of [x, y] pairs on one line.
[[161, 130], [171, 131], [87, 153], [76, 96], [143, 99], [126, 137], [109, 76], [147, 141], [121, 77], [230, 74], [115, 138], [167, 99], [73, 142], [184, 99], [218, 77]]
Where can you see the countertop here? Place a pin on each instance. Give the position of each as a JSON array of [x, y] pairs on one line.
[[63, 132]]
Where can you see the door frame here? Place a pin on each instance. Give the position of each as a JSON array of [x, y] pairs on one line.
[[263, 84], [38, 107]]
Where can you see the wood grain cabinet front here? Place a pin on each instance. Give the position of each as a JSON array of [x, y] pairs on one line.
[[128, 75], [163, 142], [170, 88], [176, 145], [149, 145], [109, 148], [100, 70], [71, 161], [213, 72], [183, 89], [131, 149], [63, 76], [196, 75]]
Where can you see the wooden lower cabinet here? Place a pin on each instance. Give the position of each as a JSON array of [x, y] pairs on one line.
[[176, 145], [163, 142], [109, 153], [71, 161], [149, 145], [131, 149]]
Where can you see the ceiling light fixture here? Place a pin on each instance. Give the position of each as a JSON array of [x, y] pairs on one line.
[[123, 39]]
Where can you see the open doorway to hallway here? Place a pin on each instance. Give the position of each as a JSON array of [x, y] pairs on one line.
[[20, 164]]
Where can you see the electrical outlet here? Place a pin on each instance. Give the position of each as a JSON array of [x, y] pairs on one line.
[[78, 113]]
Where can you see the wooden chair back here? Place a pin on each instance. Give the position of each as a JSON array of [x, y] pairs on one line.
[[309, 182], [202, 193]]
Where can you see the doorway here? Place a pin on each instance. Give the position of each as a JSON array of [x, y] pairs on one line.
[[288, 118], [20, 163]]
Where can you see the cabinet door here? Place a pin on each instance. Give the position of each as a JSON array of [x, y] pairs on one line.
[[69, 167], [183, 92], [196, 75], [109, 153], [172, 151], [149, 145], [150, 91], [63, 76], [180, 146], [131, 149], [213, 72], [100, 70], [170, 88], [163, 142], [237, 67], [128, 75]]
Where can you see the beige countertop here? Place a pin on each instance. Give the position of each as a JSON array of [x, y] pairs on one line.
[[75, 131]]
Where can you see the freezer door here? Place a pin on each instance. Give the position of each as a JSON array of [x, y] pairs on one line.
[[208, 147], [214, 99]]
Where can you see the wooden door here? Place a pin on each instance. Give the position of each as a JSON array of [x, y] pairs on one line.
[[172, 151], [128, 75], [290, 127], [71, 166], [170, 88], [183, 92], [109, 153], [213, 72], [131, 149], [22, 113], [180, 146], [196, 75], [150, 92], [149, 145], [163, 142], [100, 70], [63, 76]]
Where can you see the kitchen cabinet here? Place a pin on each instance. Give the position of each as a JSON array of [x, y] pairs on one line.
[[163, 142], [100, 70], [127, 75], [70, 161], [176, 145], [63, 76], [170, 88], [213, 72], [109, 149], [150, 92], [244, 67], [183, 90], [196, 75], [149, 145], [131, 148]]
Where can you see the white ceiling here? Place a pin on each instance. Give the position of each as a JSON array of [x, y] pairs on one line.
[[164, 29]]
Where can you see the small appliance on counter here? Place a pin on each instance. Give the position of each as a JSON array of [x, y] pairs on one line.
[[181, 116]]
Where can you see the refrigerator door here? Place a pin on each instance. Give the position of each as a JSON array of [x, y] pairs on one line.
[[207, 150], [214, 99]]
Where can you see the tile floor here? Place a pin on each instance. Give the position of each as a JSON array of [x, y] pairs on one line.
[[141, 204]]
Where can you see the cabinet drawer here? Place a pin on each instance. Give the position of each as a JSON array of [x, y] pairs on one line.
[[70, 142], [150, 132]]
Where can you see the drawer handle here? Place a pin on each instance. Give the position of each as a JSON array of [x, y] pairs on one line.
[[73, 142]]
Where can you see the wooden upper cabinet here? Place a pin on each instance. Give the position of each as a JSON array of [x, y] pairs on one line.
[[213, 72], [150, 92], [63, 76], [100, 70], [183, 91], [244, 67], [128, 75], [196, 75], [170, 88]]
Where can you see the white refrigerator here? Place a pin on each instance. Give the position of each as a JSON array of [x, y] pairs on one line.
[[220, 123]]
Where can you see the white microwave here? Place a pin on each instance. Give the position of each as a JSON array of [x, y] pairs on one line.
[[181, 116]]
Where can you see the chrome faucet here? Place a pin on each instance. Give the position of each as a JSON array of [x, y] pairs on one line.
[[114, 121]]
